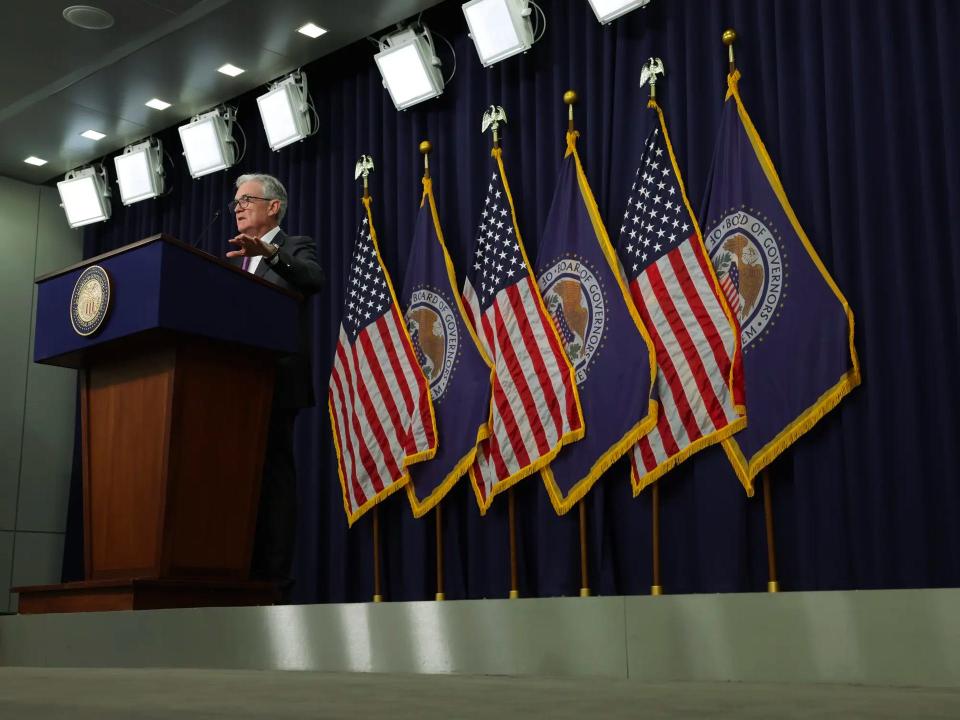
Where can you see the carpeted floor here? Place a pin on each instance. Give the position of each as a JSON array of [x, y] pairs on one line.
[[105, 694]]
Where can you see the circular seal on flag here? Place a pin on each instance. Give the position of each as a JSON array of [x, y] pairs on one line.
[[751, 266], [435, 333], [577, 303], [90, 300]]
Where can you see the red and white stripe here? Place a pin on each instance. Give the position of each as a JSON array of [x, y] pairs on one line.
[[730, 292], [381, 410], [534, 397], [695, 347]]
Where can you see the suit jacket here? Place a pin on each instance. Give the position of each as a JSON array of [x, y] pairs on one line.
[[296, 269]]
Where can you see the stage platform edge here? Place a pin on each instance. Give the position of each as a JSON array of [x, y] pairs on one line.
[[878, 637]]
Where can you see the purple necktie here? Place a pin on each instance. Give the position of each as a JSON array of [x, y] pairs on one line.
[[246, 263]]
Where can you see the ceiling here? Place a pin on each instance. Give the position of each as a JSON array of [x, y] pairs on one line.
[[61, 80]]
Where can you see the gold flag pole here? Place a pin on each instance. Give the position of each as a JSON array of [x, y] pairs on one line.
[[772, 584], [729, 37], [439, 516], [363, 168], [425, 147], [653, 68], [512, 510], [657, 587], [492, 117], [377, 593], [570, 98]]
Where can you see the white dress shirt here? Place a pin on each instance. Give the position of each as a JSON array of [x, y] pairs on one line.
[[267, 238]]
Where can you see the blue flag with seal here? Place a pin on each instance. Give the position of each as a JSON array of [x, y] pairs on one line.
[[453, 362], [796, 327], [612, 355]]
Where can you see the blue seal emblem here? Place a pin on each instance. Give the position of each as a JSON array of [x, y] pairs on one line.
[[435, 333], [751, 266], [90, 301], [577, 303]]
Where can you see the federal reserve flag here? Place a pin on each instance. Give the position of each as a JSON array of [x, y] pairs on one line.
[[796, 327], [450, 355], [535, 409], [604, 337], [379, 399], [699, 378]]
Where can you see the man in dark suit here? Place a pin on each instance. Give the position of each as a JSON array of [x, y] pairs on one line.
[[289, 261]]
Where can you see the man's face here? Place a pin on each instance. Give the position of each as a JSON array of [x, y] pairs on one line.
[[255, 217]]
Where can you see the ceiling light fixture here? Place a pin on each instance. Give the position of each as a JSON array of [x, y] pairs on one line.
[[85, 196], [157, 104], [140, 172], [502, 28], [409, 66], [35, 161], [311, 30], [286, 111], [208, 142], [88, 17], [609, 10], [92, 135], [231, 70]]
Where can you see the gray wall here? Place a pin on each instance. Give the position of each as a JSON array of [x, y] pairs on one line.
[[37, 403]]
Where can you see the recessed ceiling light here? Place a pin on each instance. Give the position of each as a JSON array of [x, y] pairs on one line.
[[157, 104], [231, 70], [92, 135], [88, 17], [311, 30], [35, 161]]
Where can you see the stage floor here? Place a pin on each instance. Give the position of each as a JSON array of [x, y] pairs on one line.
[[885, 638], [44, 694]]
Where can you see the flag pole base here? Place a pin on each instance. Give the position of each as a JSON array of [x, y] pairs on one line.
[[378, 598], [656, 589], [514, 594], [440, 596], [773, 586], [584, 592]]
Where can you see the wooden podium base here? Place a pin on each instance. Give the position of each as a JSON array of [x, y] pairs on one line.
[[143, 594]]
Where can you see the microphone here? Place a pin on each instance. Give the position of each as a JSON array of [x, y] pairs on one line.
[[196, 241]]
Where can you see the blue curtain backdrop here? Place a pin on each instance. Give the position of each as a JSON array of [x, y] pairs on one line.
[[857, 103]]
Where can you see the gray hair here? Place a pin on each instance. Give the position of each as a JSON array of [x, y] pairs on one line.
[[271, 187]]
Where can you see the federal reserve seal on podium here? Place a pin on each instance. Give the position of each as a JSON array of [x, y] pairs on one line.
[[90, 300]]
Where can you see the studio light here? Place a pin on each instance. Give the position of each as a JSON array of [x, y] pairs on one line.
[[609, 10], [85, 196], [208, 142], [286, 111], [501, 28], [409, 66], [140, 171]]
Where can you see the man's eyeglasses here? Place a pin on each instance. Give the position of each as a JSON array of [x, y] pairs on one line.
[[243, 202]]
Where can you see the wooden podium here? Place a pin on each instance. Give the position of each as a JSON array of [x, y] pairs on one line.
[[175, 396]]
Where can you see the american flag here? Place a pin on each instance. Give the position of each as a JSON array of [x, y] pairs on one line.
[[380, 408], [731, 288], [675, 290], [535, 408]]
